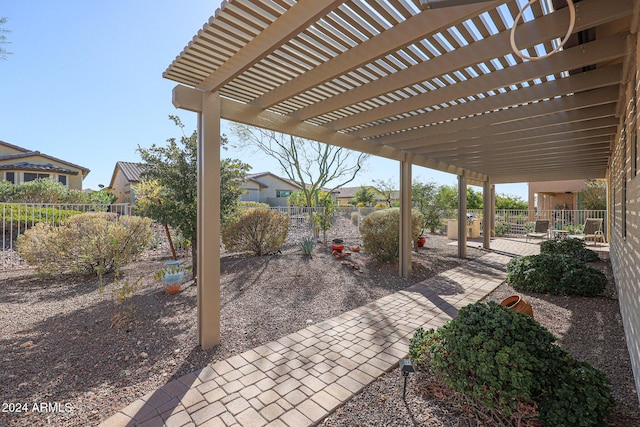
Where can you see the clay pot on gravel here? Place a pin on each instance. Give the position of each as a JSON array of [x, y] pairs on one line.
[[338, 245], [519, 304], [421, 241]]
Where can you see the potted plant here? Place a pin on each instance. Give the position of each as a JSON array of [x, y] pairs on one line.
[[172, 274]]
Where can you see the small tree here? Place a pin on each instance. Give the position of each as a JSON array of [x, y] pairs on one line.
[[426, 201], [364, 195], [387, 188], [594, 196], [509, 202], [312, 165], [168, 190]]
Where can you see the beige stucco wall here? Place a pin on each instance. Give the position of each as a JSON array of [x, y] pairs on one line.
[[625, 220], [5, 151], [74, 181], [122, 188], [252, 192]]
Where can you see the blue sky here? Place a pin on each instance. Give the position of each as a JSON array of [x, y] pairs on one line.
[[84, 83]]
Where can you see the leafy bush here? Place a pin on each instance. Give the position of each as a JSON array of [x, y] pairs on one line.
[[380, 232], [575, 248], [380, 205], [258, 230], [505, 359], [95, 242], [555, 274], [46, 190], [502, 228]]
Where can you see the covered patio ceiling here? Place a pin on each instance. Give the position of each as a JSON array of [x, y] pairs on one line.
[[440, 88]]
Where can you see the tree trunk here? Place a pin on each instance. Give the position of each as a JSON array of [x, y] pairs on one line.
[[194, 255]]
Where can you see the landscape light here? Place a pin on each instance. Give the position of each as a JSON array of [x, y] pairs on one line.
[[406, 367]]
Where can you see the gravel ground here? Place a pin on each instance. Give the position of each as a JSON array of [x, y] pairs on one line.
[[589, 328], [68, 345]]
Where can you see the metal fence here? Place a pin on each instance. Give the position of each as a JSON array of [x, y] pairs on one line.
[[17, 218], [516, 223]]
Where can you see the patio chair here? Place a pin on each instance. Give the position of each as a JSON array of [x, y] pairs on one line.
[[540, 230], [592, 230]]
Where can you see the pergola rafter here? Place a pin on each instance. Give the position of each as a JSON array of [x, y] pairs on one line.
[[437, 88]]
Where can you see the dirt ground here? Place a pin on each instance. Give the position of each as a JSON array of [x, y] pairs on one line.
[[68, 344]]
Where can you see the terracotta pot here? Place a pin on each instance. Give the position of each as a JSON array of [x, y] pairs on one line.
[[519, 304], [172, 289], [338, 248], [421, 241]]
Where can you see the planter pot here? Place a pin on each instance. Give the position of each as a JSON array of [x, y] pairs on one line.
[[171, 278], [519, 304], [338, 248], [421, 241], [172, 289]]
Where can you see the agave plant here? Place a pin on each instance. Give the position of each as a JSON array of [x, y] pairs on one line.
[[307, 245]]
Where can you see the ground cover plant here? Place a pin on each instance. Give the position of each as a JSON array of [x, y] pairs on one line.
[[555, 274], [509, 362], [575, 248]]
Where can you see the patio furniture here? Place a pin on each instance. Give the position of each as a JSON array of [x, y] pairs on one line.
[[540, 229], [592, 230]]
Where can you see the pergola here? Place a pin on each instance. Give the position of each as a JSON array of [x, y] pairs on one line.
[[440, 88]]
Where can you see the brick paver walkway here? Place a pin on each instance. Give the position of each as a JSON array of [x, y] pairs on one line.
[[301, 378]]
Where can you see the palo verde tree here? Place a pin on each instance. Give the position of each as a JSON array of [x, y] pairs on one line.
[[364, 195], [314, 166], [168, 190]]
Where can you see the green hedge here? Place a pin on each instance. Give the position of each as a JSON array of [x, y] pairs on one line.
[[573, 247], [555, 274], [508, 361], [21, 216]]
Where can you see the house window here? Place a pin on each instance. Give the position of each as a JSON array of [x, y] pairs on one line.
[[283, 193], [32, 176], [10, 176], [62, 179]]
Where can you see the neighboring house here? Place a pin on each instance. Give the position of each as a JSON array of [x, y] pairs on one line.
[[552, 195], [124, 175], [345, 194], [19, 165], [266, 187]]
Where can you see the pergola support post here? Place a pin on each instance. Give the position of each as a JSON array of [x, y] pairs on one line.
[[487, 216], [462, 216], [208, 274], [405, 219]]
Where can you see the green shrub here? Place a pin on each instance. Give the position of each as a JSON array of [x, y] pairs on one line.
[[23, 216], [575, 248], [258, 230], [380, 205], [355, 218], [253, 205], [502, 228], [380, 232], [504, 359], [95, 242], [555, 274]]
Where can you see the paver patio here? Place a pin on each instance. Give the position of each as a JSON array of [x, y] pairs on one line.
[[301, 378]]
